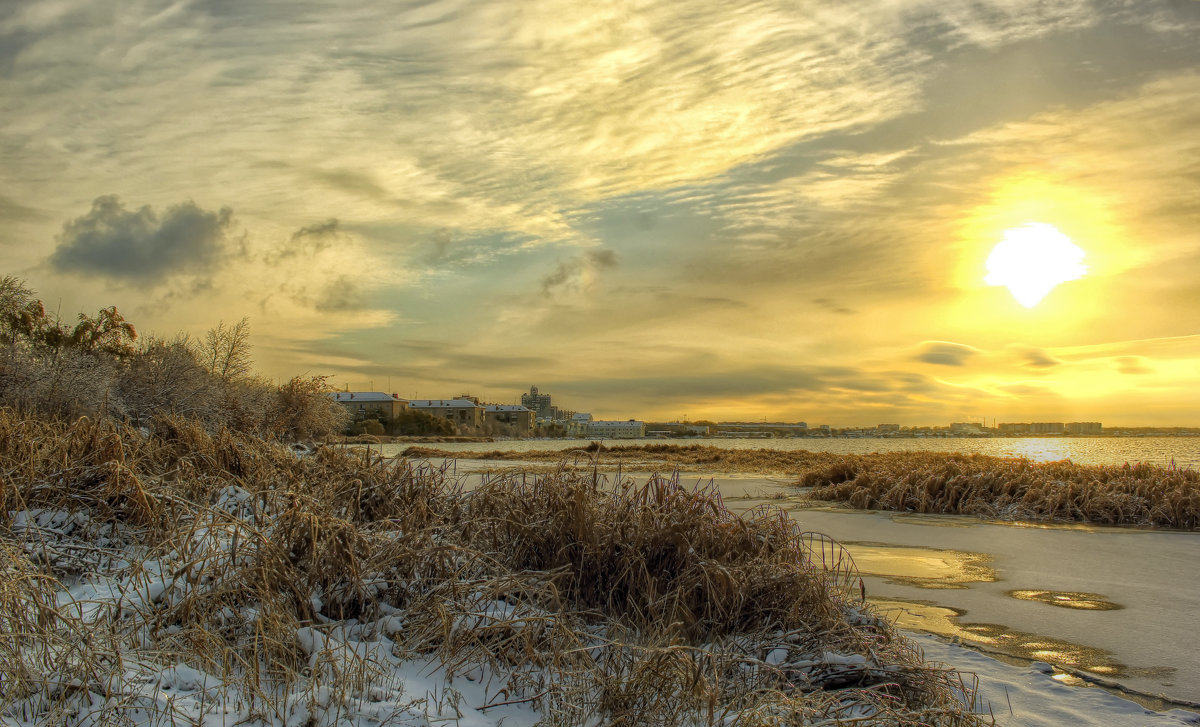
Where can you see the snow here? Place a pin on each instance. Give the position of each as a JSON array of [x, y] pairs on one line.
[[1034, 696], [358, 673]]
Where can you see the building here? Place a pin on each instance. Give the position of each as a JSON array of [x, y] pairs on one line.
[[965, 428], [1047, 428], [539, 403], [1084, 428], [1014, 427], [577, 425], [509, 418], [465, 414], [887, 428], [370, 404], [630, 429]]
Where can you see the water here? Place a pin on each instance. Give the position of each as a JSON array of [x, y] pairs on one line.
[[1183, 451]]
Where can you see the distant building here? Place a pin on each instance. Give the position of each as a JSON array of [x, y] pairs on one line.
[[1047, 428], [961, 428], [1084, 428], [578, 423], [1014, 427], [630, 429], [518, 420], [887, 428], [541, 404], [370, 404], [464, 413]]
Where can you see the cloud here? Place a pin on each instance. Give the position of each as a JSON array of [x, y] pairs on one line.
[[308, 241], [832, 306], [339, 295], [945, 353], [1037, 358], [1132, 365], [439, 246], [143, 246], [579, 272]]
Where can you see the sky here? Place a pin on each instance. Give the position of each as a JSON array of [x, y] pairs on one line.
[[745, 210]]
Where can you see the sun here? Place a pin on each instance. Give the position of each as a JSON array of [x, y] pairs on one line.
[[1032, 259]]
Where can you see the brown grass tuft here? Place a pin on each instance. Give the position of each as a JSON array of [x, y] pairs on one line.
[[1009, 488]]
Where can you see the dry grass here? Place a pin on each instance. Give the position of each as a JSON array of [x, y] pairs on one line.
[[655, 457], [296, 582], [1007, 488]]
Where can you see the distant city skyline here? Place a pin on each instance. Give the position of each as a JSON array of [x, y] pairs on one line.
[[908, 211]]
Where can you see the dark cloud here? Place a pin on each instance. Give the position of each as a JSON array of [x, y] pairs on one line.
[[308, 241], [1133, 365], [1036, 358], [602, 258], [340, 296], [945, 353], [143, 246], [571, 273]]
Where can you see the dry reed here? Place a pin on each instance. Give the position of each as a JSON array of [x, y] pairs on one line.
[[654, 457], [294, 585], [1011, 488]]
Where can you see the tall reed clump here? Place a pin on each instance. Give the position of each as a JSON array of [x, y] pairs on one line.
[[656, 554], [292, 588], [1012, 488]]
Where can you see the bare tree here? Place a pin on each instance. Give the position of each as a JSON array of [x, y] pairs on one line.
[[165, 378], [225, 351]]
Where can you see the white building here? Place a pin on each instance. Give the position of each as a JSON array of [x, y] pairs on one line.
[[577, 425], [629, 429]]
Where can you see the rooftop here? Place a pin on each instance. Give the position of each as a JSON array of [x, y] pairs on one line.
[[364, 396]]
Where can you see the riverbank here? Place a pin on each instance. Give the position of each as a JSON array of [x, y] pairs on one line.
[[342, 440], [185, 576], [1006, 488]]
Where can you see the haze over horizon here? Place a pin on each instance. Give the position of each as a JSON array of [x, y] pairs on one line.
[[757, 210]]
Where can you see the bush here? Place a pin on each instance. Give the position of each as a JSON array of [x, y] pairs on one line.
[[420, 424], [367, 426], [100, 368]]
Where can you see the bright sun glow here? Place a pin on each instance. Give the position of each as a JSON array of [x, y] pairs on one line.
[[1032, 259]]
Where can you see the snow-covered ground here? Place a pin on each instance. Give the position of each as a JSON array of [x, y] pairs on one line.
[[363, 673]]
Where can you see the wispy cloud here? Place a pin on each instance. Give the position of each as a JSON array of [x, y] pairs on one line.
[[676, 185]]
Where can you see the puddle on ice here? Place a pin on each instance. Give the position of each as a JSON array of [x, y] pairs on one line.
[[929, 617], [1019, 647], [1067, 599], [921, 567]]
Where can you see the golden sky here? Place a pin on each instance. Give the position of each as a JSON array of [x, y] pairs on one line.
[[736, 210]]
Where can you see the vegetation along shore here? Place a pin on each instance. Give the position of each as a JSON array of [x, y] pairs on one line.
[[928, 482]]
